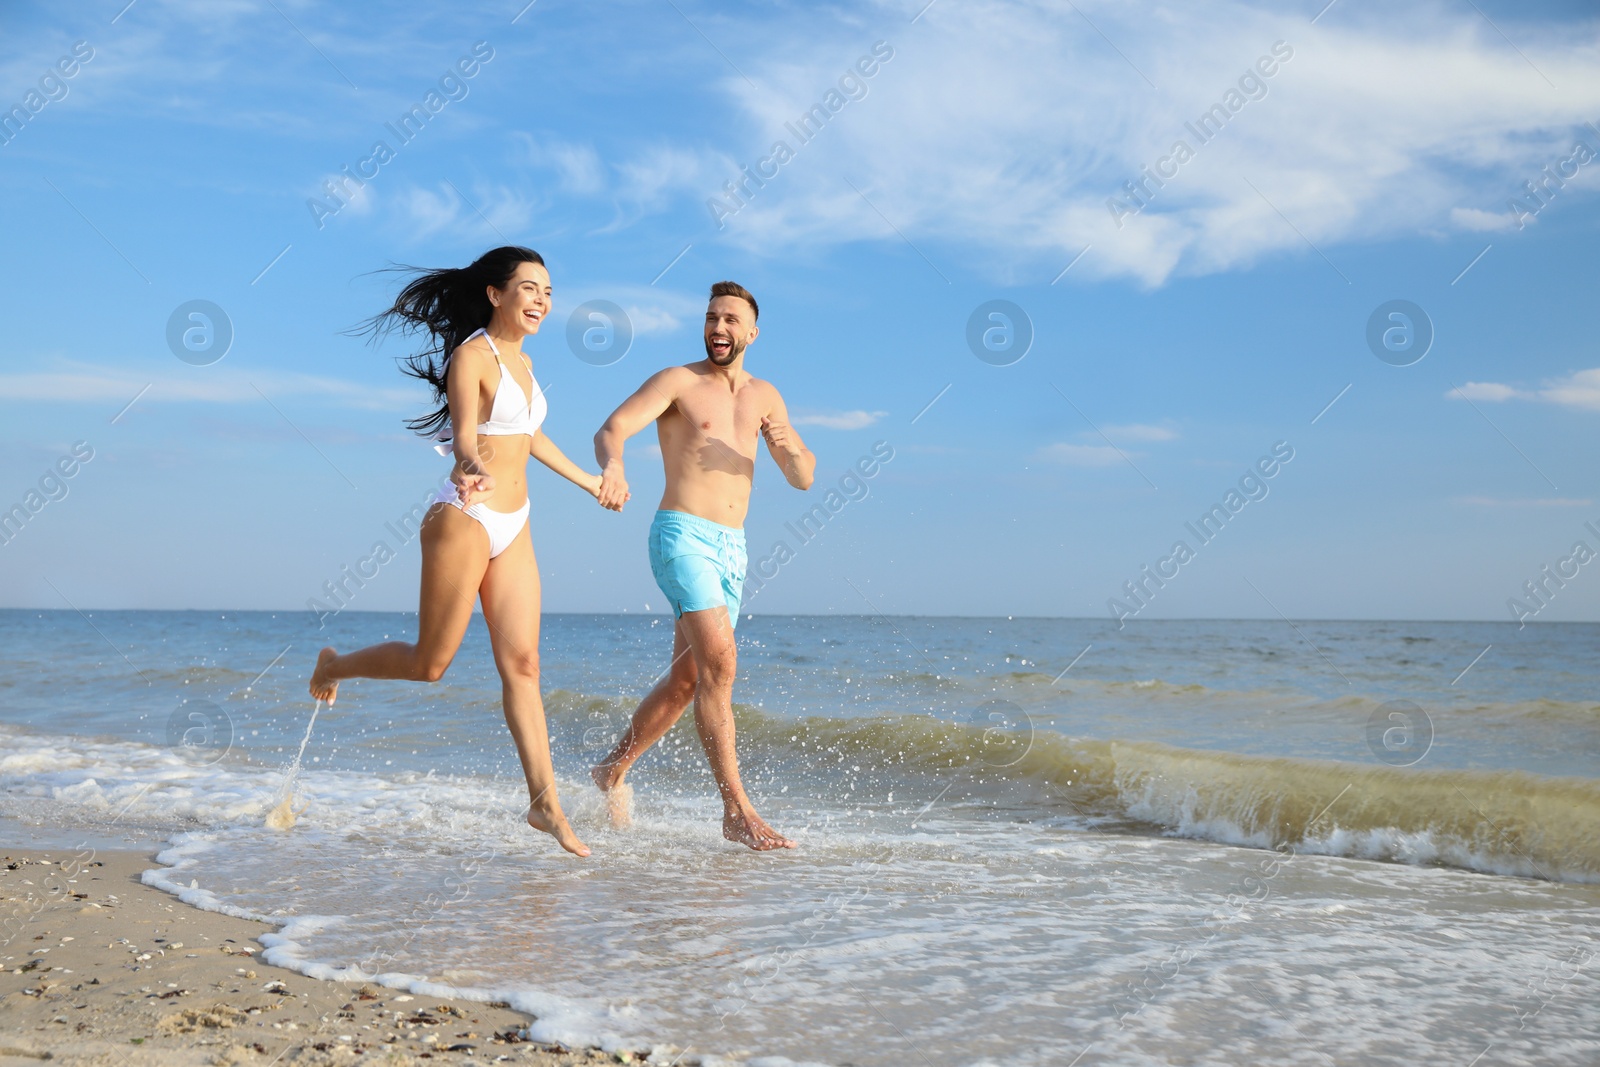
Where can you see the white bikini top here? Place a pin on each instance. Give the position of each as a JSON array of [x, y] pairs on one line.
[[511, 413]]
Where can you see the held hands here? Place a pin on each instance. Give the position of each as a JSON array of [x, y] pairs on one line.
[[596, 485], [611, 488]]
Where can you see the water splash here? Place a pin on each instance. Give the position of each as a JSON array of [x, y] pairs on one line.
[[283, 816]]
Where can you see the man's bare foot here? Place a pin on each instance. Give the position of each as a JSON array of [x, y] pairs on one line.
[[321, 687], [554, 823], [748, 828], [619, 805], [619, 794]]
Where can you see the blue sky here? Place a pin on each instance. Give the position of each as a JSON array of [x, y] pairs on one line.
[[979, 161]]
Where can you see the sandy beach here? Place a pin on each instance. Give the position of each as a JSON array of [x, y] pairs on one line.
[[101, 969]]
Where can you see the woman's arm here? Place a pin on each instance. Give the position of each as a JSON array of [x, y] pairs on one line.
[[545, 451], [464, 386]]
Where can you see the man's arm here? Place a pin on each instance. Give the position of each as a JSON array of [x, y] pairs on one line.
[[788, 451], [647, 405]]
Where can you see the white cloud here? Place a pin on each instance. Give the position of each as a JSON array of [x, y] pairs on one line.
[[1471, 218], [352, 199], [1580, 389], [577, 167], [662, 175], [653, 179], [1492, 391], [839, 420], [92, 383], [428, 211], [1005, 126], [488, 212], [1140, 432], [653, 310], [649, 320], [1081, 455], [1543, 502]]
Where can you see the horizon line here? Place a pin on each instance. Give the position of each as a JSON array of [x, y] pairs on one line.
[[844, 615]]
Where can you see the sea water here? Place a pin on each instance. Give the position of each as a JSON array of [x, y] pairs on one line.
[[1022, 841]]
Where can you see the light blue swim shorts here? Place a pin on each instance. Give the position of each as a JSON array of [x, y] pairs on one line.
[[699, 564]]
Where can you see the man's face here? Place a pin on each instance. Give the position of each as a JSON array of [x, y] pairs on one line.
[[730, 326]]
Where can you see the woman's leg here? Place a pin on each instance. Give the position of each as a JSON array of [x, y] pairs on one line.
[[455, 554], [510, 593]]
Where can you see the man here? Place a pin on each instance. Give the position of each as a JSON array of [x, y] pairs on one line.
[[709, 416]]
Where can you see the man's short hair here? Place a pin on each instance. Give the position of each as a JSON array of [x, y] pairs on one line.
[[735, 289]]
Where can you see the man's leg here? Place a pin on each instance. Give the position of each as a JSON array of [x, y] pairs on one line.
[[663, 706], [710, 636]]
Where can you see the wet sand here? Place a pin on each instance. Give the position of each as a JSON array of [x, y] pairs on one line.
[[101, 969]]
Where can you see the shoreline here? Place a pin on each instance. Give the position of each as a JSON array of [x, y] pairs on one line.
[[101, 969]]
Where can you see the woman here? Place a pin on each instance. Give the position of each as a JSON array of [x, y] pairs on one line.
[[477, 318]]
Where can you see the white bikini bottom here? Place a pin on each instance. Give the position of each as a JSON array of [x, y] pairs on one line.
[[502, 527]]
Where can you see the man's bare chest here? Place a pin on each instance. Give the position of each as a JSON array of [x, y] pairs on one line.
[[714, 412]]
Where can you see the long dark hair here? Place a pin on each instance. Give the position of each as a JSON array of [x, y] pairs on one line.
[[450, 304]]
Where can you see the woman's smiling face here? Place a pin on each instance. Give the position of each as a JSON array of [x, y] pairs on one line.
[[525, 300]]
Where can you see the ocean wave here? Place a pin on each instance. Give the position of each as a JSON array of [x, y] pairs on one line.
[[1043, 687], [1032, 687], [1502, 822], [1581, 712]]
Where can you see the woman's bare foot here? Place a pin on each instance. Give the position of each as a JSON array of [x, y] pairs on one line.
[[619, 794], [321, 687], [554, 823], [748, 828]]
